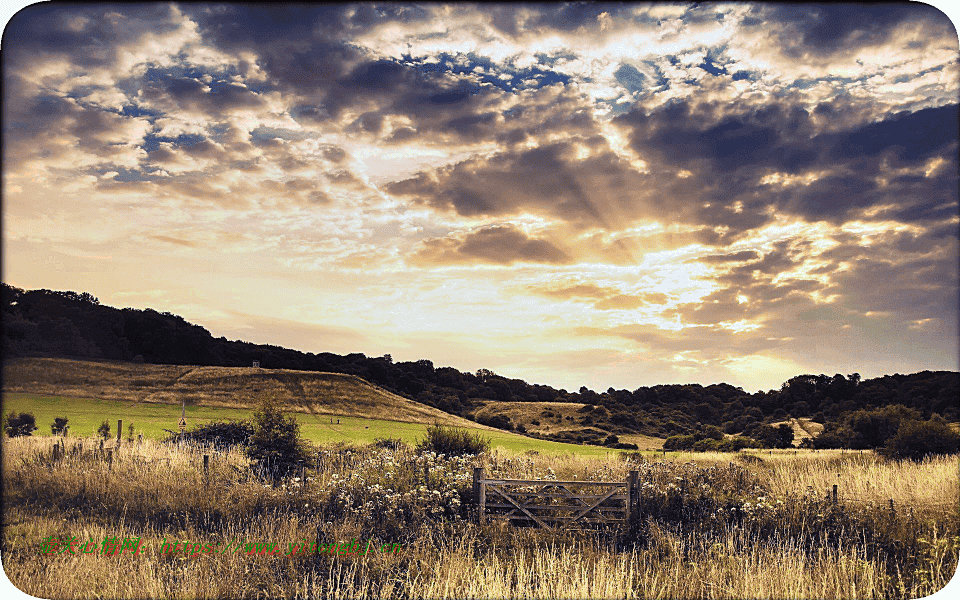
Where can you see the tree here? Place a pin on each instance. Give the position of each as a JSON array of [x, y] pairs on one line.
[[20, 425], [276, 446], [780, 436], [59, 426], [916, 439]]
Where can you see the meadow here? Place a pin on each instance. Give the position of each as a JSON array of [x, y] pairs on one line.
[[711, 525], [155, 420]]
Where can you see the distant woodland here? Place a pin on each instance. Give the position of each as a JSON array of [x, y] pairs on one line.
[[68, 324]]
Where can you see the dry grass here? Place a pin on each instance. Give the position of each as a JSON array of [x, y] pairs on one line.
[[157, 492]]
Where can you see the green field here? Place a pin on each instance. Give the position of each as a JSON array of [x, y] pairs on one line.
[[150, 419]]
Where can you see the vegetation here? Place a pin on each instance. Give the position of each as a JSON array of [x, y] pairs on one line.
[[916, 440], [712, 526], [219, 434], [104, 430], [20, 425], [60, 427], [453, 441], [275, 446], [44, 322]]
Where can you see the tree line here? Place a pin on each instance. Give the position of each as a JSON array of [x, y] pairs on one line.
[[70, 324]]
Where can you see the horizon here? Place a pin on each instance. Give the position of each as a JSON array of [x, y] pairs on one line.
[[572, 195]]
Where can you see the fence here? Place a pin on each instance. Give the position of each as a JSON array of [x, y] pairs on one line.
[[554, 504]]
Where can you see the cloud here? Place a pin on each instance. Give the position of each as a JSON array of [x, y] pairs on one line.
[[497, 244]]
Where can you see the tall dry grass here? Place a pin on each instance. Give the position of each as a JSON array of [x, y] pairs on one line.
[[711, 529]]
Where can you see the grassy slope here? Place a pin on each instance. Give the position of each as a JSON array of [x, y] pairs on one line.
[[565, 416], [89, 392]]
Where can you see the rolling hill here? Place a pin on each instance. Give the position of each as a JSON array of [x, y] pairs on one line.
[[309, 392]]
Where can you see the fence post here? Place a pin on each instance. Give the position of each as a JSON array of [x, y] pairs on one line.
[[119, 431], [478, 492], [834, 493], [109, 459], [206, 468], [632, 495]]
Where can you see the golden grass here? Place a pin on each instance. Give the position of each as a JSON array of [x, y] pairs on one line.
[[158, 492]]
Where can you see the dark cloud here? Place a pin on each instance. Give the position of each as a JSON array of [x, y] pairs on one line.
[[807, 30], [498, 244], [729, 153]]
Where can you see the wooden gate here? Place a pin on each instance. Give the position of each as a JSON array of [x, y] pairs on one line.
[[555, 504]]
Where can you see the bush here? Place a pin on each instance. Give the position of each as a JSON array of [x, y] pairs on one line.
[[453, 441], [20, 425], [388, 443], [611, 440], [59, 426], [916, 439], [104, 430], [219, 434], [498, 421], [780, 436], [275, 444]]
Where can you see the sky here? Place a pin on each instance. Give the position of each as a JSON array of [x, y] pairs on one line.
[[603, 195]]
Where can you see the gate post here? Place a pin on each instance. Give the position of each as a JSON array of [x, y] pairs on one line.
[[479, 495], [633, 495]]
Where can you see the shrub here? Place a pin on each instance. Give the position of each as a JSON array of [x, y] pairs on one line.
[[611, 440], [678, 442], [780, 436], [453, 441], [104, 430], [219, 434], [275, 444], [20, 425], [59, 426], [389, 443], [498, 421], [916, 439]]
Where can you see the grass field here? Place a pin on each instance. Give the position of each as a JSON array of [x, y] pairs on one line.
[[150, 419]]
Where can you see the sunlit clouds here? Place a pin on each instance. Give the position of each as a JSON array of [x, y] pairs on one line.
[[584, 194]]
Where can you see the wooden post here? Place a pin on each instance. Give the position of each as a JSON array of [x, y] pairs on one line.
[[119, 431], [834, 493], [206, 467], [109, 459], [478, 492], [633, 494]]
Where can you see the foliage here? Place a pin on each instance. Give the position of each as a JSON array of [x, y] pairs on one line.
[[453, 441], [104, 430], [498, 421], [219, 434], [59, 426], [275, 445], [872, 428], [20, 425], [915, 440], [389, 443], [780, 436]]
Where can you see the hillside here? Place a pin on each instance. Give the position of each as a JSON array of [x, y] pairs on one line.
[[226, 387]]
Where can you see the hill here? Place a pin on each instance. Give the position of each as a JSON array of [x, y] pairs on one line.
[[315, 393], [68, 324]]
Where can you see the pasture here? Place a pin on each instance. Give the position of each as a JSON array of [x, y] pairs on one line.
[[151, 419], [743, 525]]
